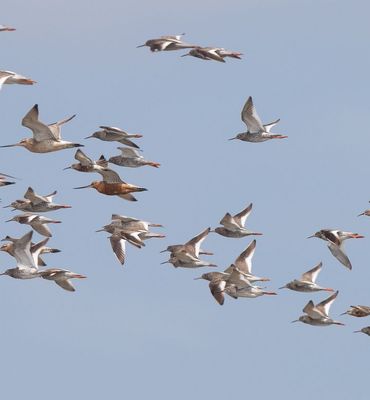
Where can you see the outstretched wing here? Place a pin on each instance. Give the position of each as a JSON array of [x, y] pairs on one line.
[[250, 117]]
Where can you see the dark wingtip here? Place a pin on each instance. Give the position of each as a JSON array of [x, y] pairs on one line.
[[78, 145]]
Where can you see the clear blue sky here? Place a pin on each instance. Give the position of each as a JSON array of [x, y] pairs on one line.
[[148, 330]]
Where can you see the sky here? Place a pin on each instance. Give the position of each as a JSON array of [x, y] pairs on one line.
[[148, 330]]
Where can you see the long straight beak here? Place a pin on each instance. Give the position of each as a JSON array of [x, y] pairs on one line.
[[283, 287], [296, 320], [165, 262], [353, 331], [233, 138], [8, 176], [88, 137], [184, 55], [67, 168], [344, 313], [8, 206], [198, 278], [163, 251], [11, 145], [142, 45], [83, 187], [9, 220], [359, 215], [308, 237]]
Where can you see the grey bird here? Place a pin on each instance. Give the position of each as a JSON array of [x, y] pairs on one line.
[[365, 330], [335, 239], [113, 134], [167, 43], [86, 164], [233, 226], [318, 314], [213, 53], [37, 222], [307, 282], [131, 158], [358, 311], [257, 132]]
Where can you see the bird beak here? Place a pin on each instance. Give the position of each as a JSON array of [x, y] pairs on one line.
[[344, 313], [101, 230], [11, 145], [353, 331], [142, 45], [67, 168], [198, 278], [8, 206], [88, 137], [308, 237], [233, 138], [83, 187], [296, 320], [163, 251], [9, 220], [283, 287], [359, 215], [165, 262]]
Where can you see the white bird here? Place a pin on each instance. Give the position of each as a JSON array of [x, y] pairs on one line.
[[319, 314], [257, 132], [9, 77], [4, 28], [307, 282]]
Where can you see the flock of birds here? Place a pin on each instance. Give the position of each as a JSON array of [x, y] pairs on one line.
[[235, 281]]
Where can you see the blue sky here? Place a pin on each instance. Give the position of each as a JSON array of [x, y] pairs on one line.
[[149, 330]]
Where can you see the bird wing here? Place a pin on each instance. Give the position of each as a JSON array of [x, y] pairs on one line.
[[339, 254], [83, 158], [36, 250], [22, 252], [39, 129], [35, 198], [270, 125], [65, 284], [128, 197], [250, 117], [237, 278], [109, 176], [119, 247], [242, 216], [229, 223], [325, 305], [193, 245], [115, 130], [244, 261], [217, 288], [212, 53], [311, 275], [4, 75], [130, 153], [123, 218], [312, 311], [40, 228], [55, 128]]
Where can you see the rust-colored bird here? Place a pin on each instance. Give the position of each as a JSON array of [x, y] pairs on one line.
[[113, 185]]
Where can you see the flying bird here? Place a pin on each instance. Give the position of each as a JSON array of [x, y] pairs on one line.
[[61, 277], [131, 158], [113, 185], [233, 226], [37, 222], [257, 132], [46, 138], [358, 311], [113, 134], [9, 77], [307, 282], [318, 314], [335, 238], [4, 28], [167, 43], [212, 53], [86, 164]]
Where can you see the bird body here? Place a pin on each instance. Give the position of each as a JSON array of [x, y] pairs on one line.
[[233, 226], [113, 134], [307, 282], [257, 132], [37, 222], [46, 138], [9, 78], [358, 311], [212, 53], [167, 43], [318, 315], [131, 158]]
